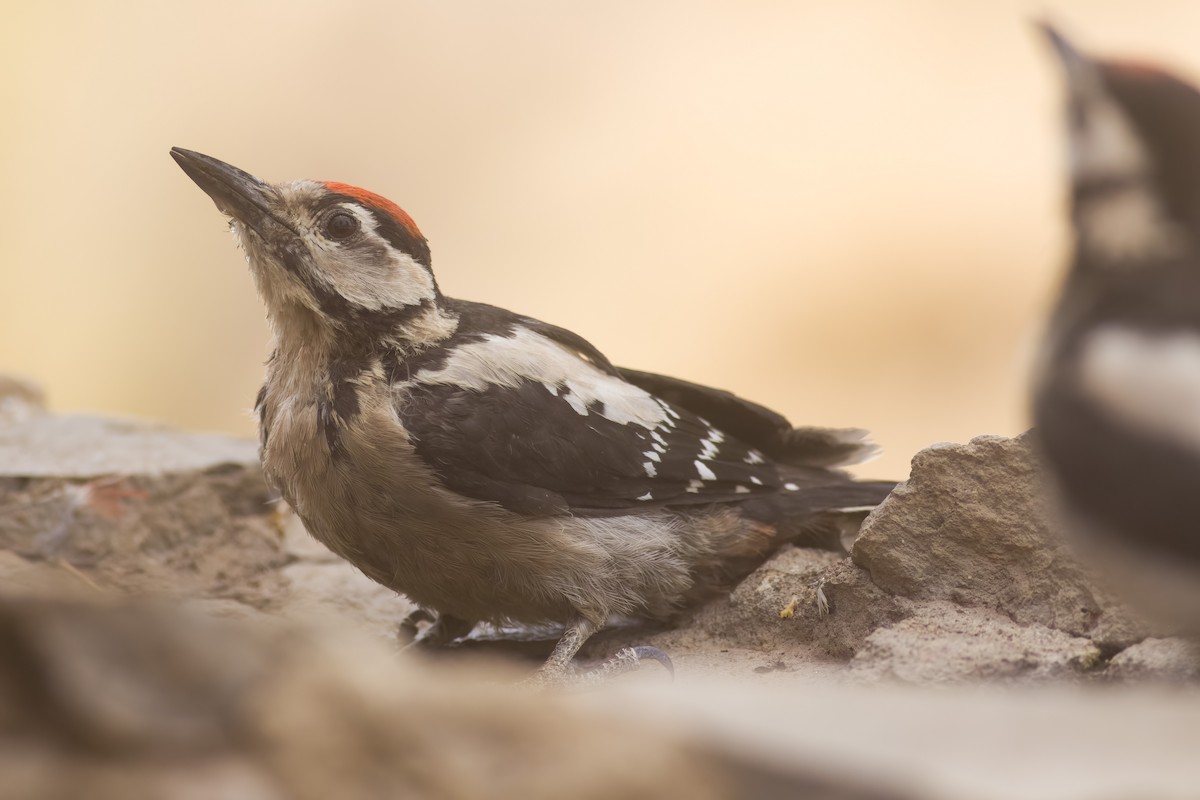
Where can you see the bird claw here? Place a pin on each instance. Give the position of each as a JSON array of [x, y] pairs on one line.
[[644, 652], [409, 629], [627, 659]]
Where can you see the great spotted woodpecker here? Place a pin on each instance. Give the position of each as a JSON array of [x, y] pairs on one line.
[[493, 467], [1117, 395]]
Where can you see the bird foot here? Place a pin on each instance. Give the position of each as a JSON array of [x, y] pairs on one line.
[[441, 631], [627, 659]]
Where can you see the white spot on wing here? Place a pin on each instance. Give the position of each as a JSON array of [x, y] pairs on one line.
[[755, 480], [646, 496], [753, 457], [653, 456], [551, 388], [703, 471], [1151, 381], [791, 487], [658, 438], [650, 470], [739, 489], [694, 487], [527, 355], [708, 445]]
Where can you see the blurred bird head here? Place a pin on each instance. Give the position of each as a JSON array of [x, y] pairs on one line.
[[1135, 163], [329, 259], [1117, 394]]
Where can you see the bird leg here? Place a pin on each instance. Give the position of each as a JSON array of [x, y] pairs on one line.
[[558, 668]]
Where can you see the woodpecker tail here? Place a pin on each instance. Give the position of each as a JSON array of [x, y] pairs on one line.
[[825, 515]]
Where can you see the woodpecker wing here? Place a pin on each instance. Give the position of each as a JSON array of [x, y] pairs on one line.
[[757, 425], [518, 416]]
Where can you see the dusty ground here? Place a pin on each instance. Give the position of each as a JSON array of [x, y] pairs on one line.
[[958, 650]]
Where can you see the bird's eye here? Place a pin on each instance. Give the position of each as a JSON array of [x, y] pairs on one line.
[[341, 225]]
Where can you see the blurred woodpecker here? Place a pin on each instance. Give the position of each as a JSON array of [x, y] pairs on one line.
[[493, 467], [1117, 397]]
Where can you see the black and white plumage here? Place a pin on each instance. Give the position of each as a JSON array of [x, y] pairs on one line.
[[492, 466], [1117, 400], [533, 417]]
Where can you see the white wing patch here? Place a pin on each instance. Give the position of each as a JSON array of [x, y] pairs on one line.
[[1151, 381], [509, 361]]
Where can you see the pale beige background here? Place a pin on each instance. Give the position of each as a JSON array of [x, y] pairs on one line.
[[850, 211]]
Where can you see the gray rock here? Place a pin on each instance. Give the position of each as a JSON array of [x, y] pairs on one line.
[[945, 643], [1169, 659], [80, 446], [754, 615], [102, 506], [970, 526]]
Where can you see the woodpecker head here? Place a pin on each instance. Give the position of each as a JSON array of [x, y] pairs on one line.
[[1135, 162], [327, 254]]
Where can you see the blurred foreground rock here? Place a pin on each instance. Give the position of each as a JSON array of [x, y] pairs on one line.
[[136, 700], [266, 667], [139, 701]]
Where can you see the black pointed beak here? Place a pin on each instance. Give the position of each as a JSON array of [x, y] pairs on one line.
[[1074, 62], [236, 193]]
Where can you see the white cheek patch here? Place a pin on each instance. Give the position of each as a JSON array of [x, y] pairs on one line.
[[1127, 226], [363, 278], [1106, 147], [525, 356], [1149, 381]]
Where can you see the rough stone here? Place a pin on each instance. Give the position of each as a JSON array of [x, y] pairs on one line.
[[1170, 659], [944, 643], [765, 606], [101, 506], [970, 526]]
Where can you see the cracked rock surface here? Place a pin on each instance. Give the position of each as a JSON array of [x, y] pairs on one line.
[[164, 625]]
